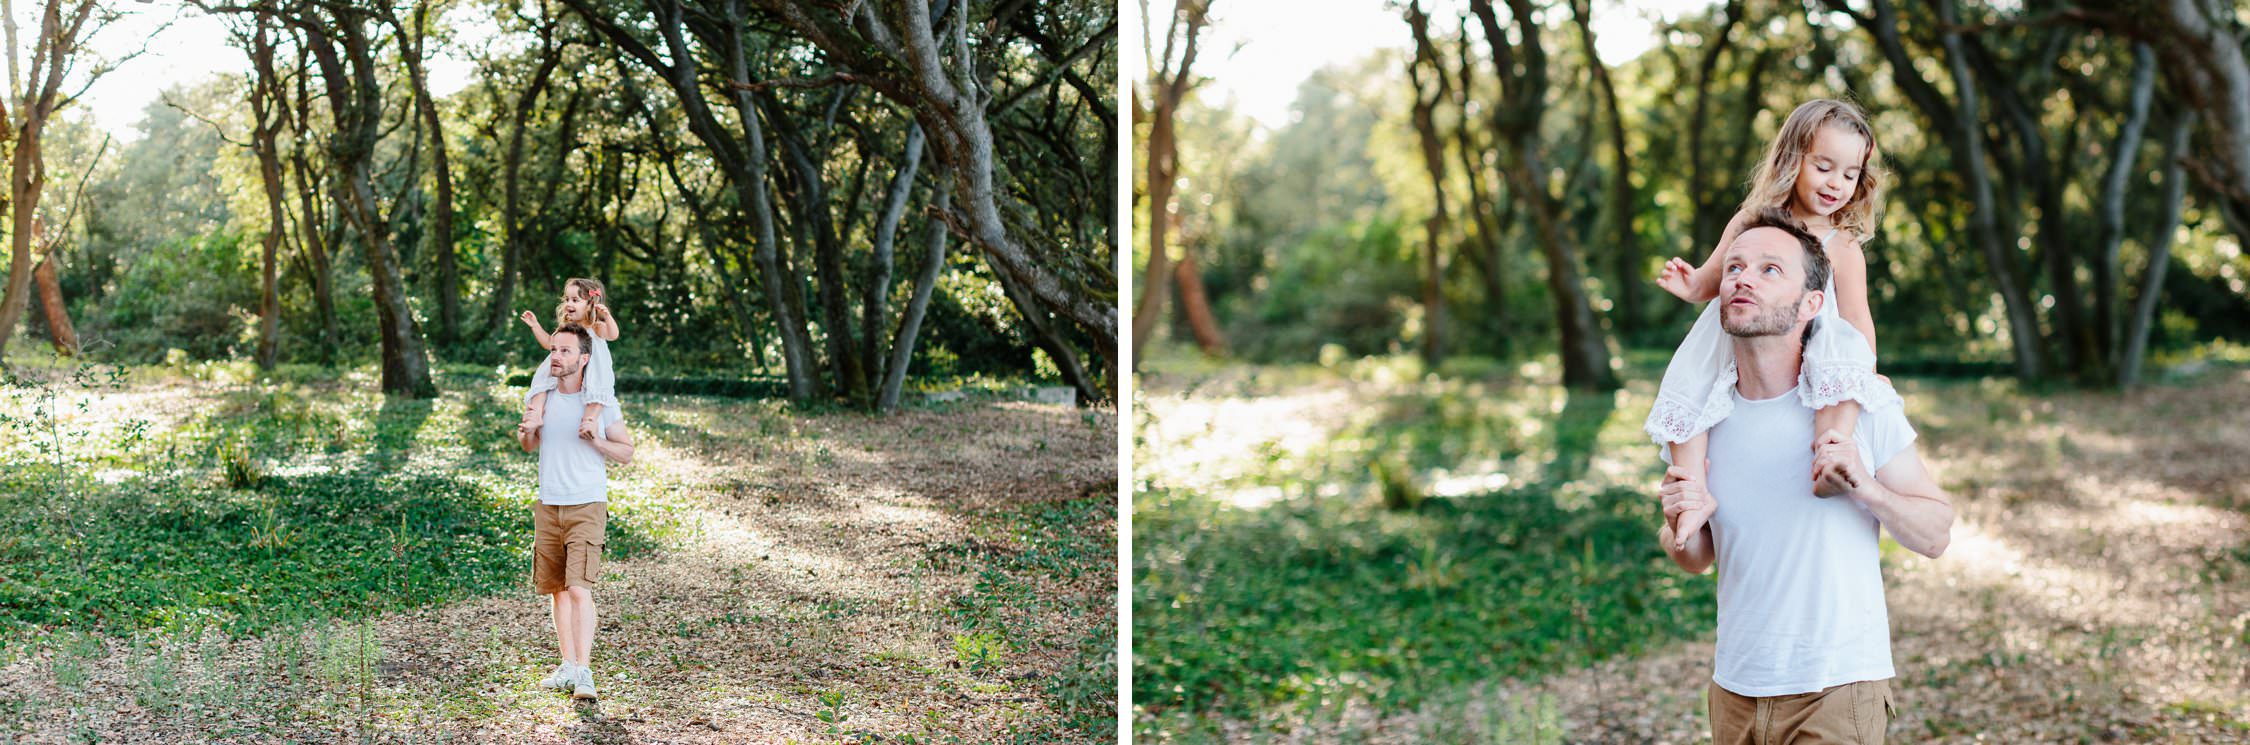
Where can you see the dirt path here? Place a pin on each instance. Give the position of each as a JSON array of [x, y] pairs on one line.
[[835, 564]]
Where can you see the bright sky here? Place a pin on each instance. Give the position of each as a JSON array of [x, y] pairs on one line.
[[1276, 44], [195, 47]]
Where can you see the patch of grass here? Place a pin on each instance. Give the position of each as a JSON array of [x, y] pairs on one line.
[[171, 555], [1305, 601], [1023, 555], [1085, 693]]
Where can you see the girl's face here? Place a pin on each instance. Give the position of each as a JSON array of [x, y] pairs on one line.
[[574, 303], [1828, 175]]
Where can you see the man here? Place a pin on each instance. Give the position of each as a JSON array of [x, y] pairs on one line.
[[1804, 647], [569, 524]]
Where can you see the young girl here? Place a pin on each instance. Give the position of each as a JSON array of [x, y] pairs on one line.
[[1823, 168], [581, 304]]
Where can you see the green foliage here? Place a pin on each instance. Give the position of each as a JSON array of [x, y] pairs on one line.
[[1303, 602], [220, 523]]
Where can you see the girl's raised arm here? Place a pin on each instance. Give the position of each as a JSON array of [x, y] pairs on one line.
[[605, 325], [1701, 284], [537, 332], [1848, 265]]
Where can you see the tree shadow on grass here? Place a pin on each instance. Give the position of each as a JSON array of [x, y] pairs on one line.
[[398, 430], [1577, 433]]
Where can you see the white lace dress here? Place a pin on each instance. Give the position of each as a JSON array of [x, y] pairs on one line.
[[1696, 392], [601, 381]]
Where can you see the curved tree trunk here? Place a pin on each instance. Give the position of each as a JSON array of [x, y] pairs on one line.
[[875, 309], [355, 102], [1169, 83], [511, 184], [2159, 252], [1522, 67], [440, 233], [1621, 199], [1433, 162], [59, 330], [2115, 182], [1959, 128], [917, 306]]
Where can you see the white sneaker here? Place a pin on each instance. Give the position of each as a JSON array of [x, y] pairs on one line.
[[582, 683], [560, 679]]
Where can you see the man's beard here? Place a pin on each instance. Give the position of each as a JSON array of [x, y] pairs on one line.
[[1772, 321]]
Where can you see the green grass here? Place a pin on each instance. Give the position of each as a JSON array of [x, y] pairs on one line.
[[1025, 556], [1310, 601], [287, 502], [1361, 583]]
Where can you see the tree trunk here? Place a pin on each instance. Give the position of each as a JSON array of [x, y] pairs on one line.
[[910, 326], [34, 98], [267, 112], [1959, 127], [61, 333], [1522, 68], [313, 234], [2159, 251], [1169, 84], [2037, 171], [1044, 334], [1629, 262], [876, 308], [814, 224], [2200, 45], [1710, 200], [1433, 162], [2115, 183], [511, 184], [1491, 222], [26, 183], [1195, 305], [354, 100], [439, 236], [749, 177]]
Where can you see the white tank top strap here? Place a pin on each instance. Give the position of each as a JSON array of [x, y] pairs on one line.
[[1831, 234]]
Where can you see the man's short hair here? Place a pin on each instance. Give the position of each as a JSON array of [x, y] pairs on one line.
[[1816, 259], [585, 338]]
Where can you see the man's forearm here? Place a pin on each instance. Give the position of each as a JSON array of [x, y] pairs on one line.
[[1923, 525], [617, 452]]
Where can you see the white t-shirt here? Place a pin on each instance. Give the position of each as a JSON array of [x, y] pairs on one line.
[[570, 469], [1800, 578]]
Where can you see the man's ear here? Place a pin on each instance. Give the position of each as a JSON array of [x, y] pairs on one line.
[[1810, 309]]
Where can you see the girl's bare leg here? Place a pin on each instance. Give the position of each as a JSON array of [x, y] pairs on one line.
[[535, 413], [1843, 419], [593, 415], [1692, 456]]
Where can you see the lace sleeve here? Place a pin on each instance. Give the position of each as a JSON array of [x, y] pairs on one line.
[[1697, 391], [601, 380], [1840, 366]]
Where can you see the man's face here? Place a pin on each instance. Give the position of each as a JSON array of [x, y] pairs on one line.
[[566, 360], [1762, 285]]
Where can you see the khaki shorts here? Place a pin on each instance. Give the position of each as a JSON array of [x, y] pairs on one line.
[[1850, 713], [566, 545]]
